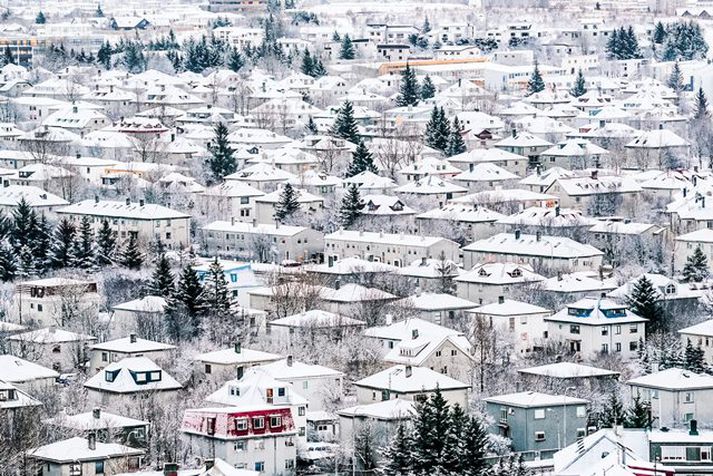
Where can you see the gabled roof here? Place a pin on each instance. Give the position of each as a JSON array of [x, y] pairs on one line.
[[231, 357], [15, 370], [567, 370], [94, 420], [125, 345], [421, 379], [77, 449]]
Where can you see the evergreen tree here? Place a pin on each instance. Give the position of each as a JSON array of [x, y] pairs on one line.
[[26, 262], [336, 36], [456, 144], [162, 279], [222, 161], [428, 90], [659, 33], [612, 413], [131, 256], [319, 70], [643, 302], [437, 130], [613, 47], [535, 84], [580, 85], [189, 297], [307, 63], [352, 207], [288, 203], [474, 448], [8, 262], [696, 267], [408, 88], [235, 60], [41, 19], [431, 429], [104, 55], [365, 450], [311, 126], [63, 247], [701, 108], [426, 27], [25, 225], [396, 457], [84, 245], [215, 291], [345, 125], [106, 244], [639, 414], [41, 243], [7, 56], [694, 358], [675, 80], [684, 41], [346, 51], [362, 159], [99, 13], [133, 58], [630, 44]]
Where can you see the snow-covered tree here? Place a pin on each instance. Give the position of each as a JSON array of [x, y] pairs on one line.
[[345, 125], [408, 88], [287, 204], [428, 90], [222, 158], [106, 244], [535, 84], [362, 160], [352, 207], [643, 301], [456, 144], [696, 268], [580, 85], [131, 256], [346, 51]]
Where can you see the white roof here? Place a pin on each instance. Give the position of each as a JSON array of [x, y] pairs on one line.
[[657, 138], [704, 235], [145, 304], [510, 307], [581, 282], [674, 379], [704, 328], [595, 311], [535, 400], [251, 391], [117, 209], [436, 301], [421, 379], [34, 196], [352, 265], [394, 409], [384, 238], [530, 245], [430, 268], [353, 293], [500, 273], [548, 217], [77, 449], [316, 318], [50, 335], [125, 345], [568, 370], [404, 330], [21, 399], [16, 370], [88, 421], [283, 370], [231, 357], [258, 228], [124, 381]]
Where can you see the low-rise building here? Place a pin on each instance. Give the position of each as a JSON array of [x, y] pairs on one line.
[[105, 353], [84, 456]]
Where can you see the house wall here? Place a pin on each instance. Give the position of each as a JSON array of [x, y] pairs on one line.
[[671, 408], [591, 340]]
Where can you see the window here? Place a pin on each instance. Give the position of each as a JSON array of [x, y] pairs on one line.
[[581, 411], [617, 347], [539, 436], [259, 423], [688, 397], [105, 357], [605, 348], [617, 330], [39, 308], [281, 392], [208, 368], [241, 424], [305, 385], [539, 414], [633, 329], [240, 445], [75, 469], [99, 467], [438, 353], [503, 414], [454, 353], [633, 345], [275, 422], [260, 466], [289, 464], [693, 453], [574, 329], [581, 432], [605, 331]]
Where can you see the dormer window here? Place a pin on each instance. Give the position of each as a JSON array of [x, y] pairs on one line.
[[6, 395], [670, 289], [515, 273], [110, 375]]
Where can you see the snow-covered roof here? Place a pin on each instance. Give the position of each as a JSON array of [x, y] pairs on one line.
[[128, 375], [16, 370], [596, 311], [287, 369], [394, 409], [271, 229], [132, 345], [233, 357], [384, 238], [548, 217], [51, 335], [252, 389], [535, 400], [118, 209], [352, 265], [500, 273], [509, 307], [145, 304], [94, 420], [77, 449], [15, 398], [673, 379], [316, 318], [436, 301], [353, 293], [409, 379], [463, 212], [430, 185], [665, 288], [565, 370], [11, 196], [581, 282], [704, 235], [704, 328], [532, 245]]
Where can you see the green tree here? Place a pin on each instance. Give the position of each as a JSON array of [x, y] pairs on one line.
[[162, 279], [696, 268], [396, 457], [431, 430], [99, 13], [131, 256], [106, 244], [638, 415], [235, 60], [456, 144], [189, 298], [84, 251], [217, 295], [41, 19], [346, 52], [362, 160], [62, 250], [345, 125], [701, 106], [311, 126], [474, 448], [535, 84], [612, 413], [318, 70], [659, 33], [307, 63], [8, 262], [365, 450], [222, 159], [613, 46], [580, 85], [428, 90], [133, 58], [437, 130], [352, 207], [288, 203], [644, 302], [675, 80], [408, 88], [695, 358], [104, 55]]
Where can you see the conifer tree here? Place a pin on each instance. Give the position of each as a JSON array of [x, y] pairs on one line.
[[701, 106], [25, 225], [307, 63], [345, 125], [396, 456], [99, 13], [7, 56], [346, 52], [612, 413], [675, 80], [613, 47], [474, 448], [131, 256], [659, 33], [580, 85], [41, 19], [352, 207], [437, 130], [133, 58], [696, 268], [8, 262], [362, 160], [215, 290], [106, 244], [84, 244], [26, 262], [287, 204], [222, 161], [41, 243], [408, 88], [432, 427], [643, 302], [311, 126], [63, 247], [638, 415], [162, 279], [456, 144], [104, 55], [365, 450], [535, 84], [694, 358], [189, 297], [235, 60], [318, 70], [428, 90]]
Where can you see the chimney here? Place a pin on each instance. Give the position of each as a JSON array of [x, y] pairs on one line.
[[660, 127], [557, 211], [409, 371], [517, 234], [170, 469], [289, 360], [111, 88], [338, 283], [75, 110], [695, 168], [96, 412], [79, 156], [514, 132], [595, 174], [173, 137], [128, 201], [501, 299], [424, 260], [538, 236], [559, 275], [240, 372], [685, 192], [92, 441], [703, 202], [209, 463], [471, 167], [132, 338], [694, 428], [414, 334]]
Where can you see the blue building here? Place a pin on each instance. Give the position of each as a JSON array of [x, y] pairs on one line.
[[538, 424]]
